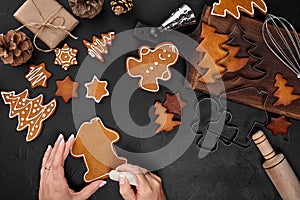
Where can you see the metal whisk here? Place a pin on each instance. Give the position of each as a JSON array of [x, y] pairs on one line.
[[287, 47]]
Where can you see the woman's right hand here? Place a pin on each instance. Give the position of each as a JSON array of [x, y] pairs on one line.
[[149, 185]]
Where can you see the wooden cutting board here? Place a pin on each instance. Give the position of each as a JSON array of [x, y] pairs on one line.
[[240, 89]]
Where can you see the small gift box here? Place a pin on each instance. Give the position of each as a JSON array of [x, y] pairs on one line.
[[48, 20]]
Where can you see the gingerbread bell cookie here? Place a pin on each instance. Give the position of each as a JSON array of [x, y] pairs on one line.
[[31, 112], [95, 143], [38, 75], [152, 65], [96, 89], [66, 57], [99, 45]]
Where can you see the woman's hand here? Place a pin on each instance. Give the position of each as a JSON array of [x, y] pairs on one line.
[[149, 185], [53, 184]]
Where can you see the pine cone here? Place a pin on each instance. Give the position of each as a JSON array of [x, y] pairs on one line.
[[15, 48], [86, 8], [121, 6]]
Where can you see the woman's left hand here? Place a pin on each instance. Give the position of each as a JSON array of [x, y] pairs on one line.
[[53, 184]]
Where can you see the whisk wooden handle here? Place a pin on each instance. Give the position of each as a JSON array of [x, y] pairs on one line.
[[278, 169]]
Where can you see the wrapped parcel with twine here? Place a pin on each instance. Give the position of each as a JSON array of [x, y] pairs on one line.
[[47, 20]]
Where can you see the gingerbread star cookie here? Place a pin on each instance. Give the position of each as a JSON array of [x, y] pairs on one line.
[[95, 143], [96, 89], [66, 57], [31, 112], [38, 75], [67, 89], [279, 125], [174, 103], [152, 65]]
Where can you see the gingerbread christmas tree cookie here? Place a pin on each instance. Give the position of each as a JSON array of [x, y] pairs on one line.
[[164, 119], [66, 57], [38, 75], [152, 65], [99, 45], [234, 7], [96, 89], [95, 143], [284, 93], [31, 112], [67, 89]]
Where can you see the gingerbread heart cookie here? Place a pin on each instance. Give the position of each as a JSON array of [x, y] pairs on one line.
[[152, 65], [94, 142]]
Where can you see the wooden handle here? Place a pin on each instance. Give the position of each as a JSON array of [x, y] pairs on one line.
[[278, 169], [263, 145]]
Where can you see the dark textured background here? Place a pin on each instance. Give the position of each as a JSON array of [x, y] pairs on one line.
[[229, 173]]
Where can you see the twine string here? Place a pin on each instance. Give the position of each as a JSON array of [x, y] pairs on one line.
[[47, 23]]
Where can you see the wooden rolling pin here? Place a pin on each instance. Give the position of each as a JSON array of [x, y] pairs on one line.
[[278, 169]]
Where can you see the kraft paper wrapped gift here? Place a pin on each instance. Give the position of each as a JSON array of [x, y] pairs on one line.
[[47, 19]]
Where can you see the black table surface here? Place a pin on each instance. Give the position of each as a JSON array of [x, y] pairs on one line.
[[232, 172]]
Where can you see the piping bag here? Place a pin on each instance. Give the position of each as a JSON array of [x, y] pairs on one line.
[[115, 175]]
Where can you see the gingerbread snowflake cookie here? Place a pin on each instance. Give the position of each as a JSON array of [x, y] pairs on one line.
[[152, 65], [31, 112], [66, 57]]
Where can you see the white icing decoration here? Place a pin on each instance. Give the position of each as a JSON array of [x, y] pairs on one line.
[[36, 75], [98, 47], [161, 58]]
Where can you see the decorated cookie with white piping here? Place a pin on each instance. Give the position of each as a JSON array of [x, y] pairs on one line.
[[99, 45], [96, 89], [95, 143], [152, 65], [66, 57], [234, 7], [38, 75], [31, 112]]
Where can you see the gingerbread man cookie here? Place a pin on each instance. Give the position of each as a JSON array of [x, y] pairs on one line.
[[31, 112], [96, 89], [152, 65], [94, 142], [38, 75], [66, 57]]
